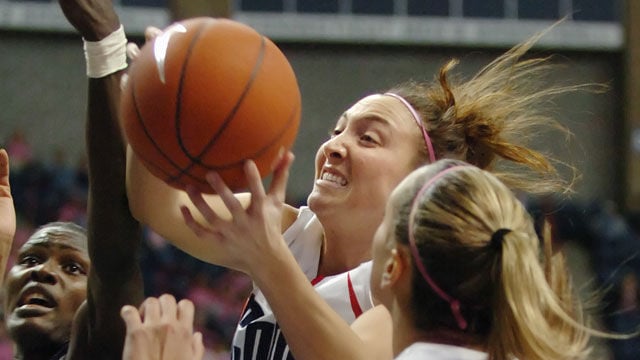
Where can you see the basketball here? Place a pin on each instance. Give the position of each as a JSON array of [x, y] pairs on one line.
[[206, 95]]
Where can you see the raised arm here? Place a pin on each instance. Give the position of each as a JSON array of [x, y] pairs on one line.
[[7, 213], [114, 235], [156, 204]]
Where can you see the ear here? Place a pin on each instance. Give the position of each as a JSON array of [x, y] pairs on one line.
[[394, 268]]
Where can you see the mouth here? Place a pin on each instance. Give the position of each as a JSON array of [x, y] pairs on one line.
[[333, 178], [35, 298]]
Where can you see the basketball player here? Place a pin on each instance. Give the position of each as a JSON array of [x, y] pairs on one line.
[[321, 252], [92, 330], [457, 262]]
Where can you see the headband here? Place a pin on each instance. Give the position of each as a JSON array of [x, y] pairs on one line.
[[416, 117], [453, 303]]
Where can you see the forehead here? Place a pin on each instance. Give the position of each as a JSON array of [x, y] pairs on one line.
[[58, 237], [380, 107]]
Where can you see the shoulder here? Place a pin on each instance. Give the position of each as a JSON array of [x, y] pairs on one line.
[[289, 216]]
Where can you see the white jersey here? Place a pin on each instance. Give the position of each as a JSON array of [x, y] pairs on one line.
[[258, 335], [423, 350]]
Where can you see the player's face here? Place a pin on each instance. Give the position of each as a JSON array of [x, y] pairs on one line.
[[373, 146], [47, 284]]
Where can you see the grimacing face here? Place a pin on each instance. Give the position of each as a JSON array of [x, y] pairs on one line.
[[47, 284], [373, 146]]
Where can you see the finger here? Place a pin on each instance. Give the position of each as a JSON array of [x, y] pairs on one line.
[[203, 207], [226, 195], [198, 346], [151, 32], [186, 311], [191, 222], [131, 317], [133, 51], [278, 186], [4, 167], [277, 159], [150, 311], [168, 308], [254, 181]]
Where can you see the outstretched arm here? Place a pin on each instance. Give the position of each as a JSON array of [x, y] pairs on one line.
[[114, 235], [7, 213]]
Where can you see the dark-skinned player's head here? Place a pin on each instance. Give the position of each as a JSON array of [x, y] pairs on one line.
[[45, 288]]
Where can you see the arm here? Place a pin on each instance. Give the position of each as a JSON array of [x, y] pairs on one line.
[[113, 234], [7, 213], [253, 243], [162, 212]]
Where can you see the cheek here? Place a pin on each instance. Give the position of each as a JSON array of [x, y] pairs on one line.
[[320, 159], [76, 295]]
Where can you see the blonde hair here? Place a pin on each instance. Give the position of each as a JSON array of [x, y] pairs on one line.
[[493, 116], [515, 298]]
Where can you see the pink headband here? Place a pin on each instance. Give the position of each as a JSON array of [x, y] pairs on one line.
[[454, 303], [416, 117]]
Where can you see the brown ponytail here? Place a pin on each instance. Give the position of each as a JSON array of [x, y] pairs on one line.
[[489, 120]]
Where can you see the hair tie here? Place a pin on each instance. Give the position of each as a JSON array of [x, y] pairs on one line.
[[497, 237]]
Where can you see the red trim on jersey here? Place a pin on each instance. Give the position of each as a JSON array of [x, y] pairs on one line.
[[317, 280], [355, 306]]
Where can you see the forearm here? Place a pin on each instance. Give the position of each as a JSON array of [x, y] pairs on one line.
[[313, 330], [157, 205], [114, 235]]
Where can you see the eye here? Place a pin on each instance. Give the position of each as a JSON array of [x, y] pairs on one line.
[[30, 260], [368, 138], [74, 268], [335, 132]]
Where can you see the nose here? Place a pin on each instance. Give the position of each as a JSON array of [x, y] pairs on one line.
[[43, 274], [335, 148]]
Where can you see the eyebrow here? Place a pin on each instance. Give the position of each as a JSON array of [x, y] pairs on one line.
[[367, 117]]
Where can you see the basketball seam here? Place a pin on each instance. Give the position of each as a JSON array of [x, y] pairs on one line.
[[254, 73]]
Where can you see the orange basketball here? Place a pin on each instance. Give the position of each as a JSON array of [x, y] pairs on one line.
[[207, 94]]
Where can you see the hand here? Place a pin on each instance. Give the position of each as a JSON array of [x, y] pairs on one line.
[[161, 330], [7, 211], [133, 50], [253, 233], [94, 19]]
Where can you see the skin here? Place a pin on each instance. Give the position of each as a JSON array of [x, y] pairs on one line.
[[44, 289], [367, 155], [8, 218], [161, 329]]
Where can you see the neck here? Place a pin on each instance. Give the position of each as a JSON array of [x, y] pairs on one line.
[[405, 333], [34, 351], [344, 247]]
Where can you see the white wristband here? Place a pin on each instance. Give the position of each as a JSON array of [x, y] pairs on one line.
[[106, 56]]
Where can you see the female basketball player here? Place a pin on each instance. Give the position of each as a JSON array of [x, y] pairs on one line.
[[311, 265]]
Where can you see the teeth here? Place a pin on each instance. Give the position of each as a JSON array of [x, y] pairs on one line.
[[334, 178]]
